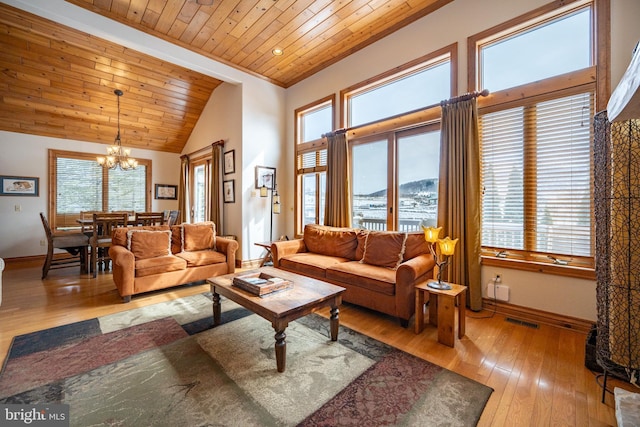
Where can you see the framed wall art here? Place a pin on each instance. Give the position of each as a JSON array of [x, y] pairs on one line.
[[265, 176], [166, 192], [19, 186], [229, 191], [229, 162]]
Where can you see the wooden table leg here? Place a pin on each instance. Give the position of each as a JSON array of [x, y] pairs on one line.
[[433, 309], [446, 319], [419, 311], [462, 306], [281, 349], [216, 307], [335, 322]]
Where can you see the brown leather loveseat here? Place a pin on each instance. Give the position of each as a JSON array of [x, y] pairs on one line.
[[379, 269], [157, 257]]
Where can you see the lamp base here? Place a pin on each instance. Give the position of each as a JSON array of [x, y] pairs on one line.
[[443, 286]]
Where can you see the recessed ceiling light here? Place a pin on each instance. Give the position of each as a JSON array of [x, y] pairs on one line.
[[277, 51]]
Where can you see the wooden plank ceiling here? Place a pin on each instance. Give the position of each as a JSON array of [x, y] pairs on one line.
[[59, 82], [312, 34]]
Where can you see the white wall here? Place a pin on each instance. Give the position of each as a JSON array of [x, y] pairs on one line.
[[249, 117], [453, 23], [27, 155]]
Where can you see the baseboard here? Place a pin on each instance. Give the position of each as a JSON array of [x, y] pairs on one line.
[[25, 261], [537, 316]]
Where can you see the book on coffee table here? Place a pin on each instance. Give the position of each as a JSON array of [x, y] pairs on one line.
[[261, 284]]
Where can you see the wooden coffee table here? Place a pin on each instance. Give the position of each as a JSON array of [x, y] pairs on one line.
[[280, 307]]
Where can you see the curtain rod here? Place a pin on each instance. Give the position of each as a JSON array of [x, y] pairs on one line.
[[465, 97], [204, 149]]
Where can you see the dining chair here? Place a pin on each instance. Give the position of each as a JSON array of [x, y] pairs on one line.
[[172, 217], [100, 241], [74, 243], [149, 218], [86, 221]]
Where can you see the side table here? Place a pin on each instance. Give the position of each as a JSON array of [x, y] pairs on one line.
[[267, 257], [442, 307]]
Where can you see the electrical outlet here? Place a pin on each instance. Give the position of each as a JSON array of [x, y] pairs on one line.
[[18, 208], [43, 242]]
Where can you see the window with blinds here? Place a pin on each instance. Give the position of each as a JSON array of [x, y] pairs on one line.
[[311, 122], [536, 176], [79, 184]]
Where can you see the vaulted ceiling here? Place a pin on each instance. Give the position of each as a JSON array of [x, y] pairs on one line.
[[57, 81]]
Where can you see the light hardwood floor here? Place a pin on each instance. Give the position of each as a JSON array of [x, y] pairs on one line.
[[538, 375]]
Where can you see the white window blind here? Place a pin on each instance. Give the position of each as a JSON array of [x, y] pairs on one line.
[[536, 173], [311, 160], [79, 185], [127, 189]]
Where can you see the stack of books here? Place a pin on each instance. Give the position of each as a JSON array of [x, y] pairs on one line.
[[261, 284]]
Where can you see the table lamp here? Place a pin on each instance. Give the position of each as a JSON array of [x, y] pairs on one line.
[[446, 247]]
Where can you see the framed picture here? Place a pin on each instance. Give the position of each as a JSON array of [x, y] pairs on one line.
[[19, 186], [166, 192], [265, 176], [229, 191], [229, 162]]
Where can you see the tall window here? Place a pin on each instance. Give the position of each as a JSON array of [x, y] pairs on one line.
[[395, 164], [312, 121], [536, 150], [78, 184], [200, 193]]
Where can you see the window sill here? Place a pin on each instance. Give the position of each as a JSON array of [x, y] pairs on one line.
[[540, 267]]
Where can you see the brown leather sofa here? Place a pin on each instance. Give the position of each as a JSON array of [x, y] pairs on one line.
[[379, 269], [157, 257]]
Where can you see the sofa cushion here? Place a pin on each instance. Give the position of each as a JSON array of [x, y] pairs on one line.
[[158, 265], [149, 244], [332, 241], [198, 258], [374, 278], [416, 245], [199, 236], [310, 264], [382, 248], [119, 234]]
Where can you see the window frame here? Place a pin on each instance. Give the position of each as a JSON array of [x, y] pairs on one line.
[[53, 182], [411, 117], [595, 79], [301, 148], [204, 160]]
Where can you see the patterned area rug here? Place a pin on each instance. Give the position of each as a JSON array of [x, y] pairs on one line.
[[165, 365]]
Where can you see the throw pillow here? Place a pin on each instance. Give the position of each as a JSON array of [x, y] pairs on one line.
[[199, 236], [149, 244], [416, 245], [384, 248], [332, 241]]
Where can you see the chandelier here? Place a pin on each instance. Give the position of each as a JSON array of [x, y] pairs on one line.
[[118, 157]]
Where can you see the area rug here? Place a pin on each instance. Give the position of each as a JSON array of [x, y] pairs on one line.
[[165, 365]]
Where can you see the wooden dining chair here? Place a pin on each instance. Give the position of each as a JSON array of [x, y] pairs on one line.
[[86, 221], [171, 218], [74, 243], [150, 218], [100, 241]]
